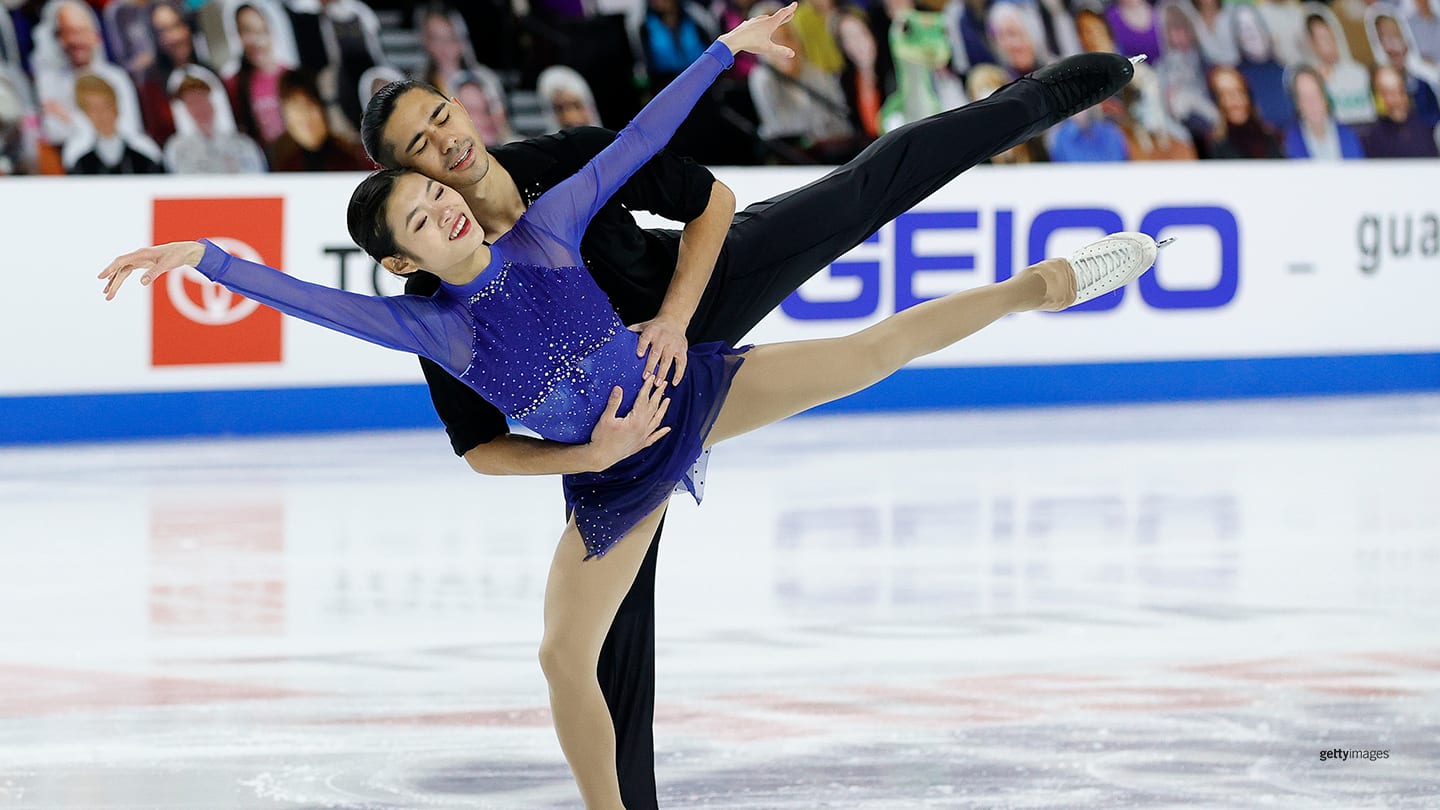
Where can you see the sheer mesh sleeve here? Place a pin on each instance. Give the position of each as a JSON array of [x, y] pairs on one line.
[[407, 323], [565, 211]]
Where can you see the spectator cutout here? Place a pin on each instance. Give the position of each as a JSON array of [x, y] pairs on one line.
[[1217, 33], [105, 143], [446, 41], [1016, 39], [565, 99], [260, 37], [1286, 21], [1399, 133], [1393, 45], [924, 84], [67, 44], [205, 140], [479, 91], [308, 144], [174, 49], [800, 106], [1150, 132], [1345, 80], [1182, 72], [1264, 74], [1424, 19], [1134, 28], [1316, 134], [1241, 133]]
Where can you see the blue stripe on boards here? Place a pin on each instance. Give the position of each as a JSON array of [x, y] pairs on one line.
[[101, 417]]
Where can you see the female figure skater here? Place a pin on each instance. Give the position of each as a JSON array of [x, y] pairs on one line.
[[521, 322]]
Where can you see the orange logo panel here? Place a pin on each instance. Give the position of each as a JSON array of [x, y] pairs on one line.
[[196, 322]]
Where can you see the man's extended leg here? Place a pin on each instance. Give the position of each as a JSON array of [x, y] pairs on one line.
[[626, 671], [778, 244]]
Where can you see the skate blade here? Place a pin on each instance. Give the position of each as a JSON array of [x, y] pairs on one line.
[[1163, 242]]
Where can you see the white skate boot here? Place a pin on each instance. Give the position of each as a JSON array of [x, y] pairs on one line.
[[1111, 263]]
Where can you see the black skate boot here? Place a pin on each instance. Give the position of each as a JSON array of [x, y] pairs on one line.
[[1084, 80]]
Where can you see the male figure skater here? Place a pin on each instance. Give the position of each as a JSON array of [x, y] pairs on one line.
[[714, 280]]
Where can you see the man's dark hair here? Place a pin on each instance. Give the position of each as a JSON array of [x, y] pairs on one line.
[[377, 113], [366, 215]]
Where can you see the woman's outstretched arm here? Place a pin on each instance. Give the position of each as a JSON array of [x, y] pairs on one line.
[[406, 323], [565, 210]]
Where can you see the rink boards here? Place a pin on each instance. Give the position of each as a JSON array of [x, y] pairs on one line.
[[1285, 279]]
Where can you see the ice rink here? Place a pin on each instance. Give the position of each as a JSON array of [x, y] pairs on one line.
[[1142, 606]]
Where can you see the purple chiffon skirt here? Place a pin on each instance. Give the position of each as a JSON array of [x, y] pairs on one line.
[[607, 504]]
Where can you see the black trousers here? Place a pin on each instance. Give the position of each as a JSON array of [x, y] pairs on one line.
[[773, 247]]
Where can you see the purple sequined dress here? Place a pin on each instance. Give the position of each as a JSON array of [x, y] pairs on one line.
[[534, 334]]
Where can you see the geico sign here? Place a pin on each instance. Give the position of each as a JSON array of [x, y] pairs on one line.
[[907, 263]]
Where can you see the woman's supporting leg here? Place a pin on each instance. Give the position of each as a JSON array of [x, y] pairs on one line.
[[781, 379], [581, 598]]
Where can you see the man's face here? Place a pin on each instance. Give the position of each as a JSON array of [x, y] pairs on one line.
[[76, 32], [1014, 42], [1391, 90], [433, 136]]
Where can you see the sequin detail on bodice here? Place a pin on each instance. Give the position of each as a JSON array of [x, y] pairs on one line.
[[547, 348]]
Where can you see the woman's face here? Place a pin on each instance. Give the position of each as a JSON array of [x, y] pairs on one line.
[[570, 109], [172, 34], [254, 34], [304, 120], [440, 41], [1230, 96], [1310, 100], [1250, 35], [431, 222], [1178, 36], [477, 106], [1392, 40], [1322, 42], [1014, 43]]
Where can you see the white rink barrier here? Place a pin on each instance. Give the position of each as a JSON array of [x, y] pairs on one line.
[[1286, 278]]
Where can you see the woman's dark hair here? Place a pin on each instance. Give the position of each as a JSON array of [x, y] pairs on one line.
[[302, 81], [366, 215], [377, 113]]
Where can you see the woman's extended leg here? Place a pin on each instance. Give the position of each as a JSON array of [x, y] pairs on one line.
[[782, 379], [580, 602]]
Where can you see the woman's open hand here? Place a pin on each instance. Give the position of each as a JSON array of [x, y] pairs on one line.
[[155, 261], [754, 35]]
